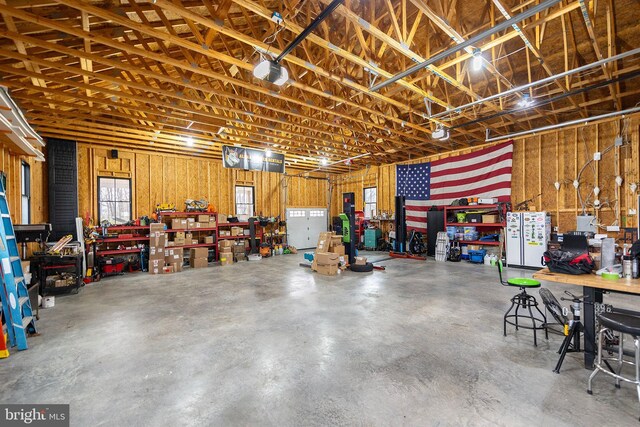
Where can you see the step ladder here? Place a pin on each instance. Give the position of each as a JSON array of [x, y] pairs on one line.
[[16, 305], [442, 246]]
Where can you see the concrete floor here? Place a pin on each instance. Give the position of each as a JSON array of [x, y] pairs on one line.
[[271, 343]]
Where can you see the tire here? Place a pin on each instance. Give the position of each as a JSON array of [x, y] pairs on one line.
[[362, 268]]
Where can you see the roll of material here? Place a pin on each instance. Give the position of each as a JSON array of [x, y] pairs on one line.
[[610, 276]]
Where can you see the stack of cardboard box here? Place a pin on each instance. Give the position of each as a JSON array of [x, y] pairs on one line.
[[226, 252], [239, 251], [327, 255], [198, 257], [174, 257], [157, 243]]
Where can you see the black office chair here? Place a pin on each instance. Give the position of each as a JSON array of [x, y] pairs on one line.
[[525, 301]]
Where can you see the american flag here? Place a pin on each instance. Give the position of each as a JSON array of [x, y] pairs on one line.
[[483, 173]]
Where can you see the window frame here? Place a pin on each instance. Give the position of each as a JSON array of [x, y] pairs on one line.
[[364, 200], [25, 185], [253, 199], [115, 201]]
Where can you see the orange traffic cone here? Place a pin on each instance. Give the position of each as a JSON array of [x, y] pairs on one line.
[[4, 352]]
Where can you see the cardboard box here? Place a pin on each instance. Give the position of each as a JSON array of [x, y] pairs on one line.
[[198, 262], [203, 218], [327, 270], [225, 244], [246, 232], [194, 241], [178, 235], [191, 219], [169, 244], [156, 253], [224, 233], [240, 257], [155, 266], [194, 225], [188, 237], [158, 241], [207, 239], [490, 219], [226, 258], [338, 250], [198, 253], [156, 227], [178, 224], [238, 249], [177, 267], [222, 218], [326, 258], [335, 241], [167, 269], [361, 260], [178, 241], [173, 255], [236, 231], [212, 223]]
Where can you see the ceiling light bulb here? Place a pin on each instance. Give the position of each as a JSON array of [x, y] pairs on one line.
[[596, 203], [189, 141], [633, 187], [596, 191], [557, 185], [576, 184], [324, 161], [526, 101], [476, 62], [619, 180], [268, 153]]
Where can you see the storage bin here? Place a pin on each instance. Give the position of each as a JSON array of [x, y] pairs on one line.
[[477, 256]]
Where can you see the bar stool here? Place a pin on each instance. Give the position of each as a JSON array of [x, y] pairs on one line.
[[624, 324], [525, 301]]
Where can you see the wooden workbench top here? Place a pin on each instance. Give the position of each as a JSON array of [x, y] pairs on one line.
[[590, 280]]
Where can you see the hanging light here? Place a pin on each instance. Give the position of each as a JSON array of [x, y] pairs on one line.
[[526, 101], [324, 161], [267, 152], [271, 71], [476, 61], [189, 141]]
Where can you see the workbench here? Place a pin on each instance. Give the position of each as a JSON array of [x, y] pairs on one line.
[[47, 265], [593, 287]]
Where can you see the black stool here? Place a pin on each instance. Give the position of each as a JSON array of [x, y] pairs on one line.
[[624, 324], [525, 301]]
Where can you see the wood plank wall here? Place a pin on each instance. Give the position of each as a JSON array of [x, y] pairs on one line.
[[10, 164], [540, 161], [158, 178]]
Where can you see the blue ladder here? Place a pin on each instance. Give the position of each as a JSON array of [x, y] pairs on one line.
[[14, 294]]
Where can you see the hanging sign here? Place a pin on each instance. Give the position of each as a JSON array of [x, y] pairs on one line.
[[250, 159]]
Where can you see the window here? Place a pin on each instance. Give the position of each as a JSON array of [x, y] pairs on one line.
[[244, 200], [114, 200], [25, 191], [370, 202]]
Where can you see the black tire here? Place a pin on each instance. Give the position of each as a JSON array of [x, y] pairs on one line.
[[362, 268]]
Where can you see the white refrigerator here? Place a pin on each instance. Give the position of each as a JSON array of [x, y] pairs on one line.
[[528, 234]]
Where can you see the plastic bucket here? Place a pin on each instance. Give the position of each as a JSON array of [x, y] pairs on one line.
[[48, 302]]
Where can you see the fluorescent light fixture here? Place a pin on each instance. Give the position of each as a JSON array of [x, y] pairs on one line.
[[526, 101], [271, 71], [476, 61], [189, 141], [268, 153], [324, 161]]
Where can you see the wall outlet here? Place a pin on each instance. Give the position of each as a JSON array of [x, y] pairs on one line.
[[597, 156], [613, 228], [618, 141]]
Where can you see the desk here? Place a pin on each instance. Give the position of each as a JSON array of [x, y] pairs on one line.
[[593, 287]]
